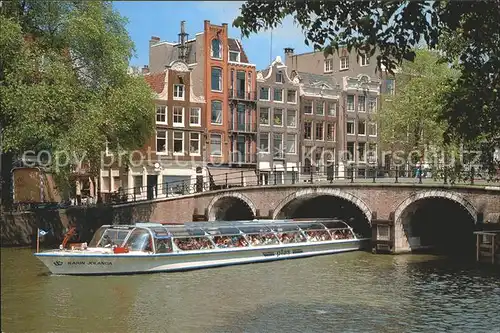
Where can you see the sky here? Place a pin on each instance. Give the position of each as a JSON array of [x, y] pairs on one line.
[[162, 19]]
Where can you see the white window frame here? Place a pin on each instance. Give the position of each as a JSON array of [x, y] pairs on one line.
[[221, 83], [334, 113], [353, 103], [333, 125], [295, 121], [238, 56], [280, 73], [212, 49], [328, 65], [199, 143], [178, 124], [344, 63], [282, 117], [166, 114], [364, 60], [295, 95], [322, 108], [312, 106], [173, 144], [370, 100], [221, 112], [283, 151], [180, 91], [282, 95], [363, 104], [198, 110], [362, 121], [322, 131], [268, 94], [268, 116], [220, 151], [165, 152], [353, 122], [376, 129], [260, 140], [294, 144]]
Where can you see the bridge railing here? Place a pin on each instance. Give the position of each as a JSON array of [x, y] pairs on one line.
[[311, 174]]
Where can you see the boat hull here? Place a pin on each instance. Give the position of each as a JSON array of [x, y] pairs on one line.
[[82, 263]]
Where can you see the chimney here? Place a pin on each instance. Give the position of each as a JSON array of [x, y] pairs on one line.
[[145, 69], [288, 51], [182, 41], [154, 40]]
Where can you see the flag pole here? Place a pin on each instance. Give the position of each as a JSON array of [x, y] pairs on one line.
[[37, 240]]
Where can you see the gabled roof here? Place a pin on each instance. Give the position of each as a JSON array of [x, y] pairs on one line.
[[317, 79], [235, 45], [156, 81]]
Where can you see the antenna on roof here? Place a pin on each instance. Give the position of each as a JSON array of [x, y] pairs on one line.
[[271, 48]]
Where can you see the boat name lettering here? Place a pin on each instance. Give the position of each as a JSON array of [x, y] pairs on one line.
[[283, 252], [90, 263]]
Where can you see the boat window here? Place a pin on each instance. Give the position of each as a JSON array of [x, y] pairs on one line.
[[163, 244], [267, 238], [140, 240], [285, 228], [311, 226], [335, 224], [341, 233], [193, 243], [112, 237], [230, 241], [291, 237], [258, 229], [229, 231], [97, 236], [185, 232]]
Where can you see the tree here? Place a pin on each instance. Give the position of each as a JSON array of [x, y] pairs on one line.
[[410, 120], [64, 85], [394, 29]]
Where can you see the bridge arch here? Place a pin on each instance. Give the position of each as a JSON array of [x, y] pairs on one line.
[[316, 192], [446, 222], [225, 204]]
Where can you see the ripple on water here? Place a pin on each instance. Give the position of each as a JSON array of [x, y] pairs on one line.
[[353, 292]]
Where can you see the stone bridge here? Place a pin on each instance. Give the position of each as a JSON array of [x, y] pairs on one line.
[[441, 211]]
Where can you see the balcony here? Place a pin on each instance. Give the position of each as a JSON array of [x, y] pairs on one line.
[[235, 126], [242, 95], [243, 158]]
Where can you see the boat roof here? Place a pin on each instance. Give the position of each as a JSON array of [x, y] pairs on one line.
[[230, 227]]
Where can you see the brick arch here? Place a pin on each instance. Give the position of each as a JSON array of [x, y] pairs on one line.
[[435, 194], [334, 192], [244, 198]]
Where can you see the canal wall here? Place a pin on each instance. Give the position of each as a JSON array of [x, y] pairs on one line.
[[19, 228]]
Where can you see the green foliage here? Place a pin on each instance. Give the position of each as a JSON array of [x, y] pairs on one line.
[[466, 32], [411, 118], [64, 84]]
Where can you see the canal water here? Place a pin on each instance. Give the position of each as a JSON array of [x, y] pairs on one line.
[[352, 292]]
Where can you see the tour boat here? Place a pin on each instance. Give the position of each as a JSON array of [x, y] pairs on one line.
[[156, 247]]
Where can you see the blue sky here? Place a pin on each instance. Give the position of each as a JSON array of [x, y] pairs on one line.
[[162, 19]]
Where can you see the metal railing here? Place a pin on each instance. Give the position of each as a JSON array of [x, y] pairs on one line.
[[236, 126], [311, 175], [243, 95], [243, 158]]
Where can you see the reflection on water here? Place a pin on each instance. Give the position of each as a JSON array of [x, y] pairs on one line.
[[352, 292]]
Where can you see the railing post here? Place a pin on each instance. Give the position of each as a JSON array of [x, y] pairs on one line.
[[352, 174], [419, 169], [274, 175], [311, 171], [397, 174], [374, 170], [226, 179], [242, 182], [166, 190], [293, 175], [472, 174], [135, 195]]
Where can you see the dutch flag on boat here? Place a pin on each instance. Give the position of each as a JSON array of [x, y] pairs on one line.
[[42, 232]]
